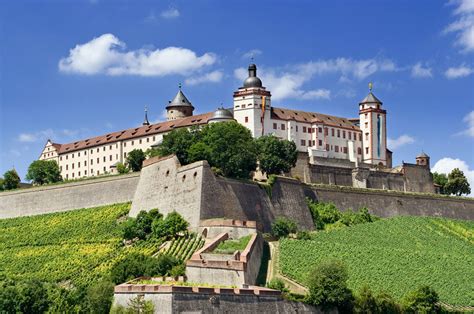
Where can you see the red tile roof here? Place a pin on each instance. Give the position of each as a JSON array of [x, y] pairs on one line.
[[312, 117], [135, 133]]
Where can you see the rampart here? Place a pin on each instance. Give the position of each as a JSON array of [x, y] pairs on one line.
[[67, 196]]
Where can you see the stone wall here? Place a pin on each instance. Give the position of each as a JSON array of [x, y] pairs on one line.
[[67, 196], [392, 203]]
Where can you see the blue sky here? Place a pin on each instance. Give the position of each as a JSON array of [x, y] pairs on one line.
[[74, 69]]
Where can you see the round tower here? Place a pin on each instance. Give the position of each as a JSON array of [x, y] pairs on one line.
[[423, 160], [179, 107]]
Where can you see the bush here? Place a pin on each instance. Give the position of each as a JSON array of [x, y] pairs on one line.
[[386, 304], [173, 224], [28, 296], [277, 284], [99, 297], [366, 302], [283, 226], [121, 168], [44, 172], [303, 235], [136, 305], [11, 180], [141, 227], [422, 300], [328, 286], [178, 270], [136, 265]]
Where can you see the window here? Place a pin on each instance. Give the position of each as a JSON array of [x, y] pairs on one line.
[[116, 145], [67, 167], [366, 150], [367, 125], [97, 149], [320, 143], [147, 139], [79, 164], [350, 135], [73, 174], [332, 132], [116, 156], [79, 174], [345, 150], [366, 115], [79, 154], [359, 151], [104, 169], [67, 176], [326, 131], [104, 159], [110, 147], [72, 165], [366, 136], [343, 134], [72, 155], [296, 128], [85, 163], [304, 129], [314, 142], [360, 137], [303, 143], [85, 172], [85, 153], [92, 162], [124, 155], [67, 157], [243, 106], [283, 126], [274, 126], [153, 138], [110, 157], [124, 144], [97, 159], [133, 142], [97, 172], [327, 147], [140, 141], [320, 130], [61, 158], [246, 119], [61, 168], [103, 148], [336, 148], [338, 133]]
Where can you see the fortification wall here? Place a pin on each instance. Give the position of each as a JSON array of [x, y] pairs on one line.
[[67, 196], [391, 203]]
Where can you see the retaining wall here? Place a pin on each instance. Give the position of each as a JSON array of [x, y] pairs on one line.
[[67, 196]]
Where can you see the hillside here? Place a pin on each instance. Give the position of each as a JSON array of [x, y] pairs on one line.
[[395, 255], [74, 247]]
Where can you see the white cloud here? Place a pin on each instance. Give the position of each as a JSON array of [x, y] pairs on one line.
[[447, 164], [43, 135], [461, 71], [421, 72], [106, 55], [211, 77], [251, 53], [400, 141], [171, 13], [288, 82], [469, 120], [463, 26]]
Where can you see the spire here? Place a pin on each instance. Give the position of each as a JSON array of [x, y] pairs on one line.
[[146, 122]]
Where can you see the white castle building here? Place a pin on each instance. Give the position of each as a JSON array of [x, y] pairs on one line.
[[359, 140]]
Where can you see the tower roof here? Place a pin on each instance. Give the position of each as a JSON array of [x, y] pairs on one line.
[[423, 155], [222, 114], [146, 122], [180, 100], [252, 80], [370, 98]]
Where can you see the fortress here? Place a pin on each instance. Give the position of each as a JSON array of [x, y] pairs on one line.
[[333, 150]]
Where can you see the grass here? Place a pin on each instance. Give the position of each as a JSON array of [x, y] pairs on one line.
[[395, 255], [77, 246], [230, 246]]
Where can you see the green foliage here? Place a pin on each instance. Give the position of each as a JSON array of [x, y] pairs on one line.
[[135, 159], [2, 181], [441, 179], [137, 264], [422, 300], [303, 235], [177, 142], [169, 227], [183, 247], [99, 297], [277, 284], [457, 183], [283, 226], [28, 296], [327, 285], [230, 246], [367, 302], [44, 172], [11, 180], [328, 216], [275, 155], [122, 169], [178, 270], [136, 305], [393, 255]]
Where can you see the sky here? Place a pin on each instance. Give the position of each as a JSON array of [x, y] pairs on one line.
[[70, 70]]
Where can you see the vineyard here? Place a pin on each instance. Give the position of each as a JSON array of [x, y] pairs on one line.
[[394, 255], [77, 246], [184, 247]]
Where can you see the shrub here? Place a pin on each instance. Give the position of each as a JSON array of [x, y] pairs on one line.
[[366, 302], [135, 159], [141, 227], [173, 224], [328, 285], [121, 168], [277, 284], [178, 270], [386, 304], [422, 300], [11, 180], [303, 235], [283, 226]]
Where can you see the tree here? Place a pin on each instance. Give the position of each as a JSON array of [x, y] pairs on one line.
[[11, 180], [457, 183], [176, 142], [274, 155], [283, 226], [422, 300], [99, 297], [135, 159], [441, 179], [1, 184], [228, 146], [328, 285], [169, 227], [44, 172]]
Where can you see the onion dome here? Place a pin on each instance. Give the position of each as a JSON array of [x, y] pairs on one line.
[[252, 80]]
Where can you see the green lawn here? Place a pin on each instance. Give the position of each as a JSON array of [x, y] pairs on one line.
[[76, 246], [230, 246], [395, 255]]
